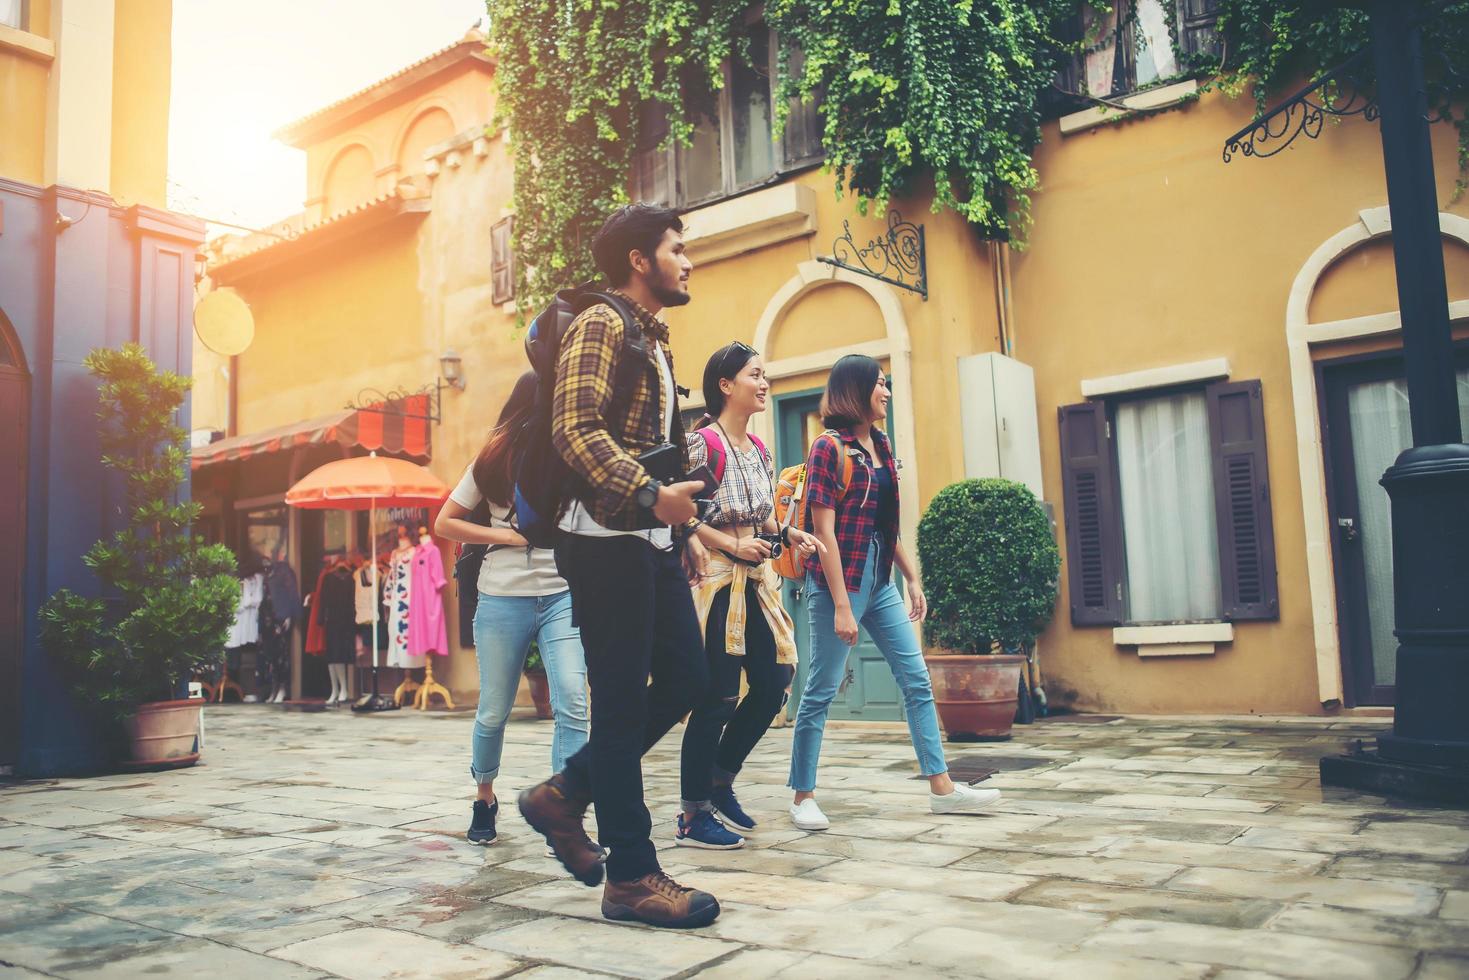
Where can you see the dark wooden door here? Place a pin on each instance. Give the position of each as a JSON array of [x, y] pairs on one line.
[[1366, 427], [14, 412]]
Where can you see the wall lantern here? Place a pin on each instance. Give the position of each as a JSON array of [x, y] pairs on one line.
[[451, 366]]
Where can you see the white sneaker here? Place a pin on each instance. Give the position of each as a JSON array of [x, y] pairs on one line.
[[964, 799], [808, 816]]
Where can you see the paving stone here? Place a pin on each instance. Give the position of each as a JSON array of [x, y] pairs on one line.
[[1408, 932], [61, 941], [1215, 855], [962, 952], [385, 954], [909, 853], [1455, 876], [624, 950], [942, 881], [1146, 903], [1161, 801], [1455, 906], [1396, 898], [1284, 955], [1361, 843], [197, 957], [1108, 871], [1443, 968]]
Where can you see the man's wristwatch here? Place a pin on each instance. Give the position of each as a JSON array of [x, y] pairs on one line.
[[647, 494]]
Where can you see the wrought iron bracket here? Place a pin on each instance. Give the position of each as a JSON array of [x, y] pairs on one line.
[[897, 257], [393, 401], [1338, 93]]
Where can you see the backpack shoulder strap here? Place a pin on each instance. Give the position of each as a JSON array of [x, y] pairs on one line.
[[760, 446], [634, 347], [844, 469], [714, 447]]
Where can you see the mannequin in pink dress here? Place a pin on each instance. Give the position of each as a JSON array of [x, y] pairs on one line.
[[427, 627]]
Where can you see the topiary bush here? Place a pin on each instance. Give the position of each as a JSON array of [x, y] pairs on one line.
[[168, 598], [990, 566]]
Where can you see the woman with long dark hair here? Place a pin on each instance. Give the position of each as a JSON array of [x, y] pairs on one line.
[[522, 600], [856, 518], [737, 596]]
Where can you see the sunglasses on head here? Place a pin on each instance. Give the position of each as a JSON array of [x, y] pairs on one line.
[[738, 347]]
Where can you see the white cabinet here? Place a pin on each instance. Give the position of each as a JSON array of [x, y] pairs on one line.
[[998, 415]]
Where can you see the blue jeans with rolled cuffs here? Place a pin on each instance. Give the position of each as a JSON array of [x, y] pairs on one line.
[[879, 607], [504, 626]]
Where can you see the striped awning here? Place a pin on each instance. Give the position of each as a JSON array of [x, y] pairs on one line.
[[400, 427]]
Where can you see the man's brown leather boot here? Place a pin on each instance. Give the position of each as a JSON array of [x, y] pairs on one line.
[[658, 900], [553, 813]]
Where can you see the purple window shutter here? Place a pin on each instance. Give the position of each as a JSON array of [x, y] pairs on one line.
[[1093, 525], [1242, 501]]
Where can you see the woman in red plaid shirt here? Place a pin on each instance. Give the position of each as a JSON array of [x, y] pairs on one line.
[[853, 584]]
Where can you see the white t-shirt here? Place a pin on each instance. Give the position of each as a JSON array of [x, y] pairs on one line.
[[509, 571], [578, 521]]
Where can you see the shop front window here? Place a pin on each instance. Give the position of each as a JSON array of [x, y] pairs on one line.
[[13, 14], [266, 532]]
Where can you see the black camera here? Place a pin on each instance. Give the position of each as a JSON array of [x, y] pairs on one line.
[[777, 542]]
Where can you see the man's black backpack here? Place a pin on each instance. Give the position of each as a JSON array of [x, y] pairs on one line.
[[543, 482]]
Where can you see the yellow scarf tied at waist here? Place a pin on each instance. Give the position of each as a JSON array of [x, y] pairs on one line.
[[721, 573]]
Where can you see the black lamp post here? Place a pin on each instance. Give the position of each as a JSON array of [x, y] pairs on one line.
[[1427, 753]]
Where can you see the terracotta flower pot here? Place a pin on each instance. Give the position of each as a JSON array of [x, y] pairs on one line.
[[540, 692], [976, 696], [165, 733]]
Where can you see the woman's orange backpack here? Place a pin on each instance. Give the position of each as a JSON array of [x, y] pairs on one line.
[[790, 505]]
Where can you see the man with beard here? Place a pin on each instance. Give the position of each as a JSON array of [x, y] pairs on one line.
[[619, 554]]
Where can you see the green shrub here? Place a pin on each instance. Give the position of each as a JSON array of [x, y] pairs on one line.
[[990, 565], [169, 599]]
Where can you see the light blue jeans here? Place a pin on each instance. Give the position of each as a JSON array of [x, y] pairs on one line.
[[880, 609], [504, 626]]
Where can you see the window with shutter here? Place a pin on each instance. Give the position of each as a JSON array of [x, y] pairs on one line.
[[502, 264], [1242, 501], [1198, 35], [1093, 527]]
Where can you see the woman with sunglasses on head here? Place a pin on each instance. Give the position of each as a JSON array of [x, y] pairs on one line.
[[522, 600], [737, 595], [852, 584]]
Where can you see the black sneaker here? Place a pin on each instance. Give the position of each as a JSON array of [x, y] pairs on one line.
[[729, 809], [482, 824]]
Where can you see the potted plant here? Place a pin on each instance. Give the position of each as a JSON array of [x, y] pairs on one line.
[[990, 567], [167, 599], [540, 688]]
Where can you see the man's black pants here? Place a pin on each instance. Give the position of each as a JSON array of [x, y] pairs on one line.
[[635, 610]]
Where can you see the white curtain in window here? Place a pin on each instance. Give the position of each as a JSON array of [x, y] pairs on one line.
[[12, 12], [1152, 44], [1381, 428], [1168, 525]]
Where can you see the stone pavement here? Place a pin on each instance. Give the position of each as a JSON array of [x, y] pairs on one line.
[[330, 845]]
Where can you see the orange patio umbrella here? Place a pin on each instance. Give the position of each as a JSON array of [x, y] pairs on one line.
[[367, 483]]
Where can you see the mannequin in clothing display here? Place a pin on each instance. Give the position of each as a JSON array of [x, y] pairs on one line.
[[280, 609], [397, 596], [428, 630], [338, 607], [364, 596]]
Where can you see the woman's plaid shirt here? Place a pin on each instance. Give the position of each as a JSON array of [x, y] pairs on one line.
[[856, 509], [602, 449]]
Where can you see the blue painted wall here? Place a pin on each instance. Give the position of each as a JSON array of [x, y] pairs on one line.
[[114, 275]]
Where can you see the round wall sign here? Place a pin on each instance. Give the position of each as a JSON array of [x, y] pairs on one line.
[[223, 322]]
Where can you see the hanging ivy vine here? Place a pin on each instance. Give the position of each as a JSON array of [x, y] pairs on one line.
[[952, 90]]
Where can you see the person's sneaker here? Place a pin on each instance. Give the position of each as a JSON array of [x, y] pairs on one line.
[[658, 900], [806, 815], [964, 799], [554, 814], [707, 832], [482, 823], [729, 809]]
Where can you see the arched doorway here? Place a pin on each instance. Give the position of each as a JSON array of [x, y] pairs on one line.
[[14, 415]]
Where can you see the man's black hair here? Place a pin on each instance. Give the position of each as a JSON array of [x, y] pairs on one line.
[[632, 226]]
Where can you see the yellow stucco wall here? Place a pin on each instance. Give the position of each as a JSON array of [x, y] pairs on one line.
[[141, 73], [139, 95], [23, 79], [462, 94], [1148, 251]]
